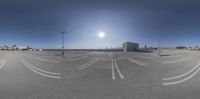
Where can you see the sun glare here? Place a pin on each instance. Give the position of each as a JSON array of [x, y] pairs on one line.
[[101, 34]]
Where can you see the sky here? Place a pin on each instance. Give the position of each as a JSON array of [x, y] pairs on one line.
[[38, 23]]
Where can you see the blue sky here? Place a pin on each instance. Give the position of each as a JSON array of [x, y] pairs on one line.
[[38, 23]]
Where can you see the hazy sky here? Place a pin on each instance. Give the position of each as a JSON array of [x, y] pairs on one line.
[[38, 22]]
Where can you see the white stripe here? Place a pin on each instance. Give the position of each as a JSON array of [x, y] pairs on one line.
[[91, 61], [74, 59], [42, 74], [51, 73], [180, 81], [47, 60], [137, 62], [90, 53], [85, 64], [176, 61], [170, 56], [113, 71], [2, 63], [83, 67], [179, 76], [146, 57], [120, 74]]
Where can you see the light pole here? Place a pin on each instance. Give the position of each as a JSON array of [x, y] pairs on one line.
[[158, 31], [63, 42]]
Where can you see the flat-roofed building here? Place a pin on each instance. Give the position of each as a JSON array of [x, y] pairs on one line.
[[24, 48], [1, 48], [181, 47], [130, 46]]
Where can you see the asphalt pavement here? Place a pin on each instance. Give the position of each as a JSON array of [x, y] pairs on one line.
[[100, 75]]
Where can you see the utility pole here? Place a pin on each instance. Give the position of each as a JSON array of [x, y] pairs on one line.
[[158, 32], [63, 42]]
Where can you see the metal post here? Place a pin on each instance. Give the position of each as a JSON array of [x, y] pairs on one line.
[[158, 30], [63, 42]]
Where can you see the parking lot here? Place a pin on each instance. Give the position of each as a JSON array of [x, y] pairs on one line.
[[99, 75]]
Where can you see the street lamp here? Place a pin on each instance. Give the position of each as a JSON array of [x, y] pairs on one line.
[[63, 42], [158, 32]]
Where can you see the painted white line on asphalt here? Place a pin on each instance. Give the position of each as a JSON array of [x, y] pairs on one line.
[[113, 71], [182, 75], [75, 59], [88, 65], [137, 62], [120, 74], [170, 56], [176, 61], [180, 81], [90, 53], [85, 64], [47, 72], [2, 62], [146, 57], [47, 60], [91, 61], [37, 72]]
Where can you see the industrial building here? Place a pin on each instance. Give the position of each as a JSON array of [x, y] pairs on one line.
[[24, 48], [15, 48], [130, 46], [181, 47]]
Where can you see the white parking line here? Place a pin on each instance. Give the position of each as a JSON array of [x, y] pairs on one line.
[[146, 57], [137, 62], [87, 65], [2, 62], [47, 60], [120, 74], [171, 56], [180, 81], [51, 73], [179, 76], [176, 61], [75, 59], [113, 71], [28, 65]]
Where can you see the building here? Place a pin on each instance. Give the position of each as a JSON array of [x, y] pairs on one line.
[[181, 47], [24, 48], [196, 48], [5, 47], [130, 46], [1, 48]]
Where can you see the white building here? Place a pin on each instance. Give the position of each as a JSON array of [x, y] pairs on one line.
[[1, 48], [130, 46], [24, 48]]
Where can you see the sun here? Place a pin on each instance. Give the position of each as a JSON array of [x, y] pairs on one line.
[[101, 34]]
